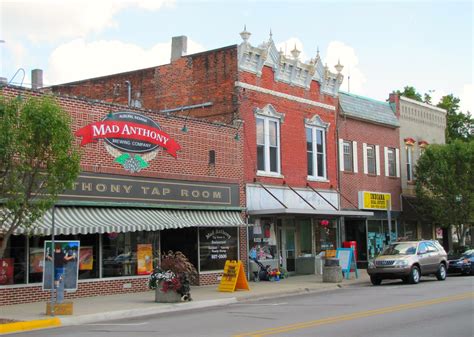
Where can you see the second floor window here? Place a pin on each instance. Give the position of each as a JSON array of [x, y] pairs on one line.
[[371, 160], [316, 152], [392, 162], [348, 161], [409, 163], [268, 145]]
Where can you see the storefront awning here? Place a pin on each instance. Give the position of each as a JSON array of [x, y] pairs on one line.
[[276, 211], [89, 220]]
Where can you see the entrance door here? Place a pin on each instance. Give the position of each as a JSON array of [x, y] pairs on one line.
[[287, 245]]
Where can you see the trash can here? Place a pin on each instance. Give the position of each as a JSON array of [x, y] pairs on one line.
[[332, 272]]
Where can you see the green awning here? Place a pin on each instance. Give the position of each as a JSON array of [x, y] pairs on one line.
[[89, 220]]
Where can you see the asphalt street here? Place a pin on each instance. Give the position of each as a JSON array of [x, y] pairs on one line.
[[431, 308]]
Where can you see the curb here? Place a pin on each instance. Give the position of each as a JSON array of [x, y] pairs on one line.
[[30, 325]]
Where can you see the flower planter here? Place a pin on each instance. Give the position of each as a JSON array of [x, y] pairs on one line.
[[170, 296]]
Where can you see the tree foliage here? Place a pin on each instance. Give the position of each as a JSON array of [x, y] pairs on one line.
[[38, 160], [458, 125], [445, 185], [410, 92]]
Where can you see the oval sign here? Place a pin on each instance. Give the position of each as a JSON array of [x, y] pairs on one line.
[[132, 145]]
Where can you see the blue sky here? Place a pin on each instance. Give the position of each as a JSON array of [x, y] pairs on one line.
[[385, 45]]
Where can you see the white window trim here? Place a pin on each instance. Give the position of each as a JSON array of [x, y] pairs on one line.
[[365, 158], [314, 130], [397, 162], [341, 154], [377, 159], [354, 157], [266, 150], [409, 154]]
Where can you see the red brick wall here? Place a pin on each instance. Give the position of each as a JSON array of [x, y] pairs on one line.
[[351, 183], [190, 80], [292, 129]]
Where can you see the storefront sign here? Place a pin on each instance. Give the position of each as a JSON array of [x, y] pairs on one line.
[[216, 245], [122, 189], [374, 200], [144, 259], [131, 138]]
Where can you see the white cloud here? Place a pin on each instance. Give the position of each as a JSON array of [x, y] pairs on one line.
[[339, 51], [467, 99], [78, 59], [48, 20]]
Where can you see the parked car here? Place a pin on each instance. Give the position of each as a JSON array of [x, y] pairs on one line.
[[462, 265], [409, 261]]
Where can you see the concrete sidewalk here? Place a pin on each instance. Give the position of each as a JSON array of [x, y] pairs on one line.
[[105, 308]]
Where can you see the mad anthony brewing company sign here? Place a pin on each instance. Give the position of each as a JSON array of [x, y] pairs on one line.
[[131, 138]]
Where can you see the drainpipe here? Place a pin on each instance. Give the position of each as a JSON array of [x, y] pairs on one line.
[[129, 91]]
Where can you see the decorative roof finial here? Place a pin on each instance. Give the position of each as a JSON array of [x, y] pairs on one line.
[[317, 53], [339, 66], [295, 52], [271, 35], [245, 35]]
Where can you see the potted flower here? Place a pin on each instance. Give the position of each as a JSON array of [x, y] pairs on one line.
[[171, 280]]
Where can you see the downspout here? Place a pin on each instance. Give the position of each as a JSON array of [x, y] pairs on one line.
[[129, 92]]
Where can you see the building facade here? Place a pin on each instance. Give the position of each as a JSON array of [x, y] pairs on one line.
[[421, 124], [369, 172], [160, 183]]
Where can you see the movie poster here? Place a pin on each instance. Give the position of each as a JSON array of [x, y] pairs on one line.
[[144, 259], [66, 264], [86, 258]]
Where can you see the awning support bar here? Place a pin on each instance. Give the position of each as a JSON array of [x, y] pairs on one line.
[[322, 197], [266, 189], [306, 201]]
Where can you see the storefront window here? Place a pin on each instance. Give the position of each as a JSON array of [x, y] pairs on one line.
[[127, 254], [216, 245], [262, 241], [325, 235], [88, 256], [13, 263], [305, 236]]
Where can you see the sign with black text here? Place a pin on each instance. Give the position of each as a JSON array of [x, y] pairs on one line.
[[216, 245]]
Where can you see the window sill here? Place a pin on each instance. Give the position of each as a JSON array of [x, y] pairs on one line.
[[318, 179], [348, 172], [269, 174]]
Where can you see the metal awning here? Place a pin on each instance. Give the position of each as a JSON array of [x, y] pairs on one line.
[[326, 212], [89, 220]]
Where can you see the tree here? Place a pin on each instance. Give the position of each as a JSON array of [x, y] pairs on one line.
[[444, 185], [458, 125], [38, 160], [410, 92]]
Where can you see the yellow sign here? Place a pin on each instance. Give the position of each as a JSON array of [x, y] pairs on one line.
[[144, 259], [330, 253], [234, 277], [374, 200]]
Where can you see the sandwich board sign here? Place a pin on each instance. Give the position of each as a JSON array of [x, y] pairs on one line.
[[347, 261], [233, 277]]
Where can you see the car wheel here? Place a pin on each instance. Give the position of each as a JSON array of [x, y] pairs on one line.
[[414, 276], [441, 273], [376, 281]]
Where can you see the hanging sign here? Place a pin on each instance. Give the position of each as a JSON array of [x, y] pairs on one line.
[[131, 138], [233, 277]]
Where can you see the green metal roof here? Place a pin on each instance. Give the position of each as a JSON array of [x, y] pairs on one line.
[[367, 109]]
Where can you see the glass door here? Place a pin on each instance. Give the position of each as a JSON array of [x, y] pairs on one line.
[[290, 248]]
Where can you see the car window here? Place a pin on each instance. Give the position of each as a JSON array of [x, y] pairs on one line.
[[422, 248], [431, 247], [400, 249]]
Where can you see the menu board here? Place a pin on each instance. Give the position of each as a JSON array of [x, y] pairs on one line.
[[216, 245]]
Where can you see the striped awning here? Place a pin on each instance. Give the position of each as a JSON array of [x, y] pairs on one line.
[[89, 220]]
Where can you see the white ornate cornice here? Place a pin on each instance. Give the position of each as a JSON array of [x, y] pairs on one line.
[[269, 111], [317, 122], [286, 69]]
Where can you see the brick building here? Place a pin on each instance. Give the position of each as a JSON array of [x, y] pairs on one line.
[[369, 166], [133, 197], [285, 110]]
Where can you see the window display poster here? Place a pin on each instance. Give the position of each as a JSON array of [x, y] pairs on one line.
[[216, 245], [66, 264], [144, 259], [86, 258], [36, 260], [6, 271]]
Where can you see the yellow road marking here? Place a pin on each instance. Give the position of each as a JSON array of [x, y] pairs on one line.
[[361, 314]]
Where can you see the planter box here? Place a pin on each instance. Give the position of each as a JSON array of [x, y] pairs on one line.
[[170, 296]]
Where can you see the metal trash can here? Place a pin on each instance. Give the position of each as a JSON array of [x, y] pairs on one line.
[[332, 272]]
